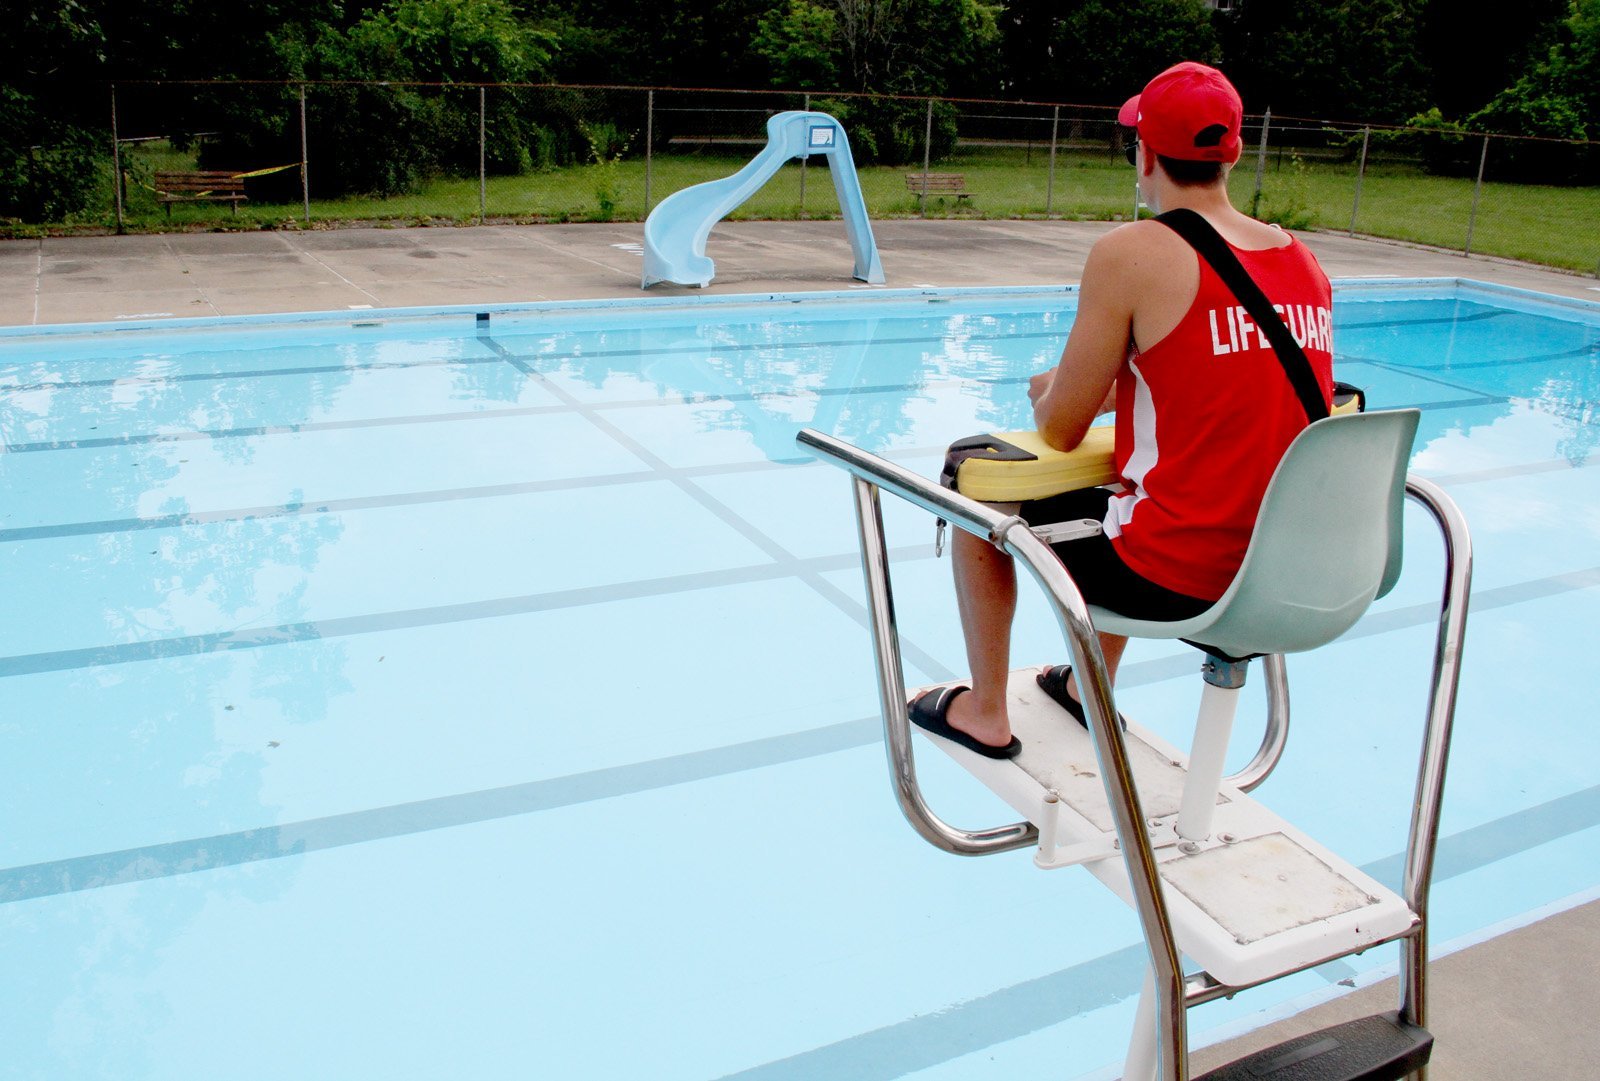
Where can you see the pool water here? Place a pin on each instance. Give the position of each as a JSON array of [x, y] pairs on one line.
[[424, 697]]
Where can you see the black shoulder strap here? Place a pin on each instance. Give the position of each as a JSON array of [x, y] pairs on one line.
[[1204, 238]]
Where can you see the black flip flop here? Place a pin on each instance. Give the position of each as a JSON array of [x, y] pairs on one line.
[[929, 710], [1053, 681]]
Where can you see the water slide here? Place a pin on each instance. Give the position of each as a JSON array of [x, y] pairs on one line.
[[675, 233]]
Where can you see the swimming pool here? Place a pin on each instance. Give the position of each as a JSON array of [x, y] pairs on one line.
[[411, 696]]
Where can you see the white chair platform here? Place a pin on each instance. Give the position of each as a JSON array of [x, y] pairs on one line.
[[1254, 900]]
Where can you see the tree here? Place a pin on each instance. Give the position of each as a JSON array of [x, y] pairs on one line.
[[937, 47], [1349, 59], [384, 138], [796, 40], [1468, 65], [1559, 96], [1103, 51], [649, 43], [917, 46], [53, 128]]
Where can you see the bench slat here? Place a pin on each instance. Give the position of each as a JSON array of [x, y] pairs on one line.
[[937, 184], [218, 186]]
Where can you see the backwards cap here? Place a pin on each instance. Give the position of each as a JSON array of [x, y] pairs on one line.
[[1190, 112]]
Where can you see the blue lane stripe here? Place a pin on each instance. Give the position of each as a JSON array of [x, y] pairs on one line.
[[491, 414], [1590, 350], [1458, 854], [335, 831], [181, 857], [892, 1051], [1014, 1012], [339, 627], [259, 373], [695, 348], [225, 641], [1438, 319], [142, 438], [930, 1039], [336, 506]]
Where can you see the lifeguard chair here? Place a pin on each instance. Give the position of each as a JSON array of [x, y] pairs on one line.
[[1211, 873]]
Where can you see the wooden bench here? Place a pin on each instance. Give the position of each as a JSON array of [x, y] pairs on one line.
[[938, 184], [218, 186]]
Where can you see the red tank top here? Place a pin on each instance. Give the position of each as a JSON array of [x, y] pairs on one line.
[[1203, 417]]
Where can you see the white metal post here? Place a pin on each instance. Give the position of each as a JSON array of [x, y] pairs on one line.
[[1361, 172], [484, 191], [305, 164], [116, 158], [483, 173], [807, 107], [927, 148], [649, 140], [1050, 181], [1206, 759], [1140, 1065], [1261, 161], [1477, 190]]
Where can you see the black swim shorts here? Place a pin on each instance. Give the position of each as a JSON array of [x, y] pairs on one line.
[[1103, 578]]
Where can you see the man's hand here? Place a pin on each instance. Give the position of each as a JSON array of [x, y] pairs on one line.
[[1039, 385]]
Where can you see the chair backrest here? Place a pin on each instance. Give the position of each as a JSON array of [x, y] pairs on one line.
[[1328, 538], [1327, 542]]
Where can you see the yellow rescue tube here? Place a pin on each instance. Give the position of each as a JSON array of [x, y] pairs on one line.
[[1009, 467]]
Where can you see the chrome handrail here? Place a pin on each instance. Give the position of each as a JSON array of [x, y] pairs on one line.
[[1276, 735], [892, 703], [1012, 535], [1424, 837]]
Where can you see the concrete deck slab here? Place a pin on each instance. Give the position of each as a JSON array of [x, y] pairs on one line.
[[78, 279]]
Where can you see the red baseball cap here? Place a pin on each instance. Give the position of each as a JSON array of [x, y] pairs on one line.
[[1190, 112]]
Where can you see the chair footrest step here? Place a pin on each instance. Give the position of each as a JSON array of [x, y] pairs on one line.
[[1381, 1048], [1255, 900]]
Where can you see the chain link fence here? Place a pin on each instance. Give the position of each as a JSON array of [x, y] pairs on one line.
[[415, 153]]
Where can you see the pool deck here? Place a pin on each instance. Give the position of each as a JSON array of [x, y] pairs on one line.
[[109, 278], [1516, 1006]]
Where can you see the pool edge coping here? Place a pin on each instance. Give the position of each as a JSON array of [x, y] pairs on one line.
[[1360, 284]]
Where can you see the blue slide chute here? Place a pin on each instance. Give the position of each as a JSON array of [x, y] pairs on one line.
[[676, 230]]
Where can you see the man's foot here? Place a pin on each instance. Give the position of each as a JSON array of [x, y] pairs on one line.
[[931, 711], [1056, 681]]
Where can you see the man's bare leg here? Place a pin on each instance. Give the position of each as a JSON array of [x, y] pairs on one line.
[[986, 594]]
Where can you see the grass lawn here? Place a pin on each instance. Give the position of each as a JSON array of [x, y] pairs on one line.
[[1554, 226]]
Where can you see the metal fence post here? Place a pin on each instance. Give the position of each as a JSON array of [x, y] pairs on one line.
[[1361, 172], [649, 143], [1477, 190], [483, 173], [1261, 161], [116, 160], [305, 163], [807, 107], [927, 149], [1136, 200], [1050, 180]]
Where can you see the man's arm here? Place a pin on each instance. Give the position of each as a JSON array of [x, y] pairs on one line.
[[1083, 385]]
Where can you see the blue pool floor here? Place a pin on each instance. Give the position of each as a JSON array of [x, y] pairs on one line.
[[450, 710]]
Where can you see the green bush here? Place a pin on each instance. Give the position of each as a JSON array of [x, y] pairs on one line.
[[1443, 146], [49, 171]]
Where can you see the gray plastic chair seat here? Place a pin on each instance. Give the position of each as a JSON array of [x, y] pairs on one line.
[[1327, 542]]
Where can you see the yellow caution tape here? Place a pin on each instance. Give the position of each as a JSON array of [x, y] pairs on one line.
[[273, 169]]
